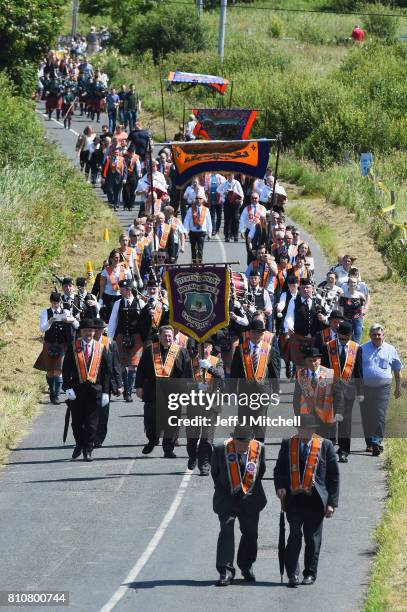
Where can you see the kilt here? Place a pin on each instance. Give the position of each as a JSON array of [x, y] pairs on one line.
[[46, 363], [66, 108], [129, 356], [296, 343], [227, 356], [284, 345], [53, 101]]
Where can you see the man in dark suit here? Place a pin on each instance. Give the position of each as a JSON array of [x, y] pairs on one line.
[[306, 478], [237, 467], [86, 380], [256, 364], [344, 356]]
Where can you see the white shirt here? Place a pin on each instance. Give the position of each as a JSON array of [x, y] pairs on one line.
[[206, 225], [44, 321], [244, 217], [310, 373], [228, 185], [283, 300], [116, 274], [190, 195]]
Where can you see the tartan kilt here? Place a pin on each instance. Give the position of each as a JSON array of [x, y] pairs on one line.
[[45, 363], [53, 101], [296, 343], [129, 356], [66, 108], [284, 345]]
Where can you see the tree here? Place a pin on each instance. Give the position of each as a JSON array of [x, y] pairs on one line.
[[28, 28]]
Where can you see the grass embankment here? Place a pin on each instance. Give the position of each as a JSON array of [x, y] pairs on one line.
[[45, 210], [337, 231]]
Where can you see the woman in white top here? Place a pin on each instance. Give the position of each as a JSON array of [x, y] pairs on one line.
[[84, 148], [304, 249], [109, 280]]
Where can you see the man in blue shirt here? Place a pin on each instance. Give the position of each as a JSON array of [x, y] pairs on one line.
[[112, 102], [379, 361]]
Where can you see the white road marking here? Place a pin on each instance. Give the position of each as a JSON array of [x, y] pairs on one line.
[[58, 122], [123, 478], [222, 247], [152, 545]]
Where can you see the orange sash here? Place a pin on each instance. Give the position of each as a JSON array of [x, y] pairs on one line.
[[237, 483], [319, 399], [114, 282], [104, 340], [253, 218], [182, 340], [333, 351], [174, 223], [127, 256], [164, 371], [201, 219], [198, 372], [165, 232], [156, 315], [260, 373], [326, 335], [265, 274], [86, 374], [310, 467]]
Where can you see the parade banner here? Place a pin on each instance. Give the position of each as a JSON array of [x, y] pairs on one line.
[[198, 299], [219, 84], [224, 123], [249, 157]]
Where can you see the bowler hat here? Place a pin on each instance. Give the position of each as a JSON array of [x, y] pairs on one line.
[[242, 432], [99, 324], [311, 351], [345, 328], [257, 325], [308, 421], [126, 283], [87, 324], [336, 314]]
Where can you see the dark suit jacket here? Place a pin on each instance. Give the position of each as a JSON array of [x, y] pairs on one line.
[[223, 500], [86, 389], [273, 367], [326, 476], [116, 381], [355, 384], [146, 378]]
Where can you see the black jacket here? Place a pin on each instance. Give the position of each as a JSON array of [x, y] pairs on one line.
[[223, 500], [273, 367], [337, 397], [326, 483], [355, 384], [86, 389]]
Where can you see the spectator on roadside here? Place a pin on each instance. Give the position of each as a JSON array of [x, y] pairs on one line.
[[352, 303], [358, 35]]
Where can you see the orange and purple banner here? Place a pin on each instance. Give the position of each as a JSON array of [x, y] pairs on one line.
[[249, 157], [219, 84], [224, 123], [198, 299]]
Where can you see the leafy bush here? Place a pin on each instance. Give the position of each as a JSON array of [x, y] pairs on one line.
[[165, 30], [380, 26], [311, 33], [275, 27]]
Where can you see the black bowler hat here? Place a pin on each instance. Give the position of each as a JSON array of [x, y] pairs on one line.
[[254, 272], [311, 351], [55, 297], [345, 328], [67, 280], [257, 325], [304, 282], [336, 314], [81, 281], [126, 283], [242, 432], [87, 324], [99, 324], [308, 421], [152, 283]]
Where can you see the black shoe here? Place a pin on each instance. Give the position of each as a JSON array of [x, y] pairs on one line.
[[98, 445], [87, 456], [248, 576], [204, 471], [191, 464], [289, 371], [129, 399], [176, 443], [76, 452], [148, 448], [169, 455], [369, 448], [56, 401], [227, 240], [293, 582], [343, 457], [236, 239], [224, 579], [125, 396], [310, 579], [377, 450]]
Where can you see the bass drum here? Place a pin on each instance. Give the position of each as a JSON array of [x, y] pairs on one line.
[[239, 287]]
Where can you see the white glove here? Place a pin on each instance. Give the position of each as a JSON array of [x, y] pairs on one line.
[[100, 302], [205, 363], [360, 399], [338, 418], [70, 394], [105, 400]]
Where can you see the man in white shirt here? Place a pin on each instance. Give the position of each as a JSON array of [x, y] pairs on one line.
[[198, 224], [231, 194]]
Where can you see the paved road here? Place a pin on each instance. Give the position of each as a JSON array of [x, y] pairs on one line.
[[135, 533]]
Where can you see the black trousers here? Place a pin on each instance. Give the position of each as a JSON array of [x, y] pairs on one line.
[[216, 216], [197, 240], [305, 517], [345, 426], [85, 419], [231, 220], [102, 425], [200, 439], [247, 551], [154, 426]]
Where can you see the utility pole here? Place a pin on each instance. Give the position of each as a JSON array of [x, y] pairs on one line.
[[222, 29], [199, 8], [75, 11]]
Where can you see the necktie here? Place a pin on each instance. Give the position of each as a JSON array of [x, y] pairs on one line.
[[159, 232], [255, 357], [314, 379], [342, 358], [87, 352], [303, 458], [241, 464]]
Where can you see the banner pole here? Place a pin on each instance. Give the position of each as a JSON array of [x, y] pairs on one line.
[[162, 103], [231, 94], [183, 119], [274, 190]]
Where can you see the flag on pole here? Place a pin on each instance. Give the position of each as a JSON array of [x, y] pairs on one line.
[[224, 123], [216, 83]]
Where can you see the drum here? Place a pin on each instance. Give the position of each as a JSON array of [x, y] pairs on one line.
[[240, 286]]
